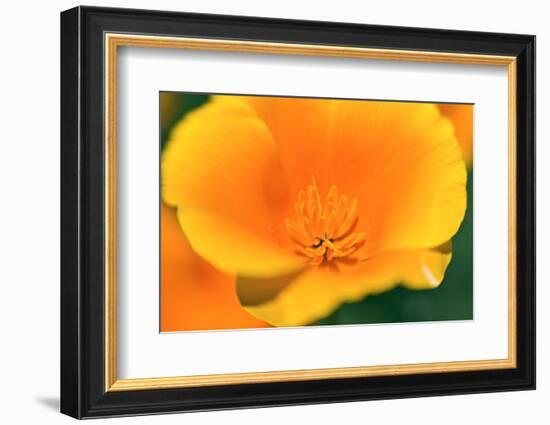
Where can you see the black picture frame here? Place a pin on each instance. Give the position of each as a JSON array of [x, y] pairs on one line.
[[82, 219]]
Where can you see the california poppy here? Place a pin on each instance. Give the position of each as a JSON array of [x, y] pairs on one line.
[[312, 202]]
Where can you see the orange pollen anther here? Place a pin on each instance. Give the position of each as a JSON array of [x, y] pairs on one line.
[[324, 232]]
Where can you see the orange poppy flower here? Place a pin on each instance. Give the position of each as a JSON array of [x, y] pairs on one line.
[[312, 202], [194, 295], [463, 121]]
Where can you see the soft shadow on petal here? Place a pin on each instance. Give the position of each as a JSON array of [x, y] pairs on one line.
[[253, 290], [194, 295], [317, 292]]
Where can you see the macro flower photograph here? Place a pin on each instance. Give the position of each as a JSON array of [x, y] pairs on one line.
[[288, 211]]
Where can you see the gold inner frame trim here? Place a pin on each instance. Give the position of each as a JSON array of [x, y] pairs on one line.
[[113, 41]]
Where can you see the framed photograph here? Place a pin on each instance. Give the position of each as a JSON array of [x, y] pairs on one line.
[[261, 212]]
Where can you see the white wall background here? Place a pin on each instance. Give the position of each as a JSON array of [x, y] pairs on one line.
[[29, 210]]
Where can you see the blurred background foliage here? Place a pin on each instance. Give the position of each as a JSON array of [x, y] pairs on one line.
[[452, 300]]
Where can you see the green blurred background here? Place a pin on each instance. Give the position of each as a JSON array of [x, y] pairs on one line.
[[452, 300]]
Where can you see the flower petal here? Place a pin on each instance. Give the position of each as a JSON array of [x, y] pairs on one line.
[[301, 129], [317, 292], [194, 295], [232, 247], [403, 163], [425, 269], [221, 169], [462, 117]]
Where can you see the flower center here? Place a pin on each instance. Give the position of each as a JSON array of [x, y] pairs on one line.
[[325, 231]]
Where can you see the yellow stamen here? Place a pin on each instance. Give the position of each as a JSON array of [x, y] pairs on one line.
[[324, 232]]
